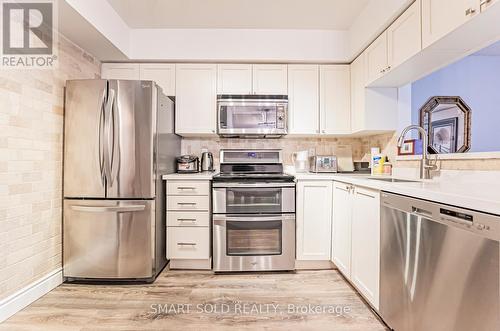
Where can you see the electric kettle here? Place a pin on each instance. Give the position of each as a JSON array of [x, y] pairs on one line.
[[207, 161]]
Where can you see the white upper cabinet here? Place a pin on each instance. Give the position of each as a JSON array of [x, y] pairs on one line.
[[303, 99], [342, 215], [335, 99], [376, 58], [120, 71], [162, 73], [373, 110], [270, 79], [440, 17], [358, 79], [234, 79], [365, 255], [314, 220], [196, 99], [404, 36]]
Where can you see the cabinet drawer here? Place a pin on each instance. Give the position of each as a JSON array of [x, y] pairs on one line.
[[188, 243], [188, 188], [192, 218], [175, 202]]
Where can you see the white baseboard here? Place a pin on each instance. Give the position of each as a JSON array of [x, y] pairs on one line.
[[25, 296], [313, 265]]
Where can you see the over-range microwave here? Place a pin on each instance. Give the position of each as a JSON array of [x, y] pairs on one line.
[[252, 116]]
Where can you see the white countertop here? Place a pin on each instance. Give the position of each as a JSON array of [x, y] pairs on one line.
[[205, 175], [476, 196]]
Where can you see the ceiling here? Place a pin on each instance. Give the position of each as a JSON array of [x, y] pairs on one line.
[[239, 14]]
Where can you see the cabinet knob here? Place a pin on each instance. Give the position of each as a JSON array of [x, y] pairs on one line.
[[323, 131], [213, 131]]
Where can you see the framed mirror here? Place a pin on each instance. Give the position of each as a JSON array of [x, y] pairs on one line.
[[446, 119]]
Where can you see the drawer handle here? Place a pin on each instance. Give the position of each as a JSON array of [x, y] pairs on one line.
[[366, 195], [186, 203], [186, 244], [186, 188], [186, 219]]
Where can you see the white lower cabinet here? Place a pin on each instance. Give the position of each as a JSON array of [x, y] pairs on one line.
[[314, 220], [342, 211], [365, 243], [356, 237], [188, 224], [188, 243]]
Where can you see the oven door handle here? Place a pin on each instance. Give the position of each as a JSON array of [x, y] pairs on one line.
[[256, 185], [250, 218]]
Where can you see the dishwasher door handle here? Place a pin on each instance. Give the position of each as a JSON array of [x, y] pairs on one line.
[[421, 212]]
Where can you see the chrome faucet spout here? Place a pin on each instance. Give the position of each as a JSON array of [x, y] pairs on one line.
[[425, 167]]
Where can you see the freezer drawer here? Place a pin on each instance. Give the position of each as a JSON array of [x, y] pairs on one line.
[[108, 239]]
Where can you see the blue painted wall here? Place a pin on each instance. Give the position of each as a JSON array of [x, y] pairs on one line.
[[477, 80]]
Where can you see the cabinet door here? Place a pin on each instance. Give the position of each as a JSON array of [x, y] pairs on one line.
[[335, 99], [376, 58], [366, 243], [404, 36], [234, 79], [196, 99], [303, 99], [440, 17], [314, 220], [162, 73], [342, 211], [270, 79], [120, 71], [358, 78]]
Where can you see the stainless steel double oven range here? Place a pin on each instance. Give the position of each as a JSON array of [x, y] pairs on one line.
[[253, 212]]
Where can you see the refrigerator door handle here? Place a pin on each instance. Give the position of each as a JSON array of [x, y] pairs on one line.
[[108, 122], [102, 209], [101, 136]]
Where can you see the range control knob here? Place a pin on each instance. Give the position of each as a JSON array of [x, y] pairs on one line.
[[480, 226]]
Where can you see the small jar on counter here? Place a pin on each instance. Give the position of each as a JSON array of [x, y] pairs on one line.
[[387, 169]]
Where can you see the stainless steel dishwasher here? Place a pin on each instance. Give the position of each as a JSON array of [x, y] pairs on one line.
[[439, 266]]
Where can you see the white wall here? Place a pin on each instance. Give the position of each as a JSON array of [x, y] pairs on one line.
[[104, 18], [238, 45]]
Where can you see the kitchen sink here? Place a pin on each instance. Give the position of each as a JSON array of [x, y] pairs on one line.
[[395, 180]]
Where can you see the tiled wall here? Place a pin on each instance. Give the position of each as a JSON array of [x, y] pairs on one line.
[[320, 146], [31, 141]]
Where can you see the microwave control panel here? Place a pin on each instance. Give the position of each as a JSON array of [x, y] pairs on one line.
[[280, 116]]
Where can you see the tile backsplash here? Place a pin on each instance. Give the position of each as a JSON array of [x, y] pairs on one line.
[[31, 144], [289, 145]]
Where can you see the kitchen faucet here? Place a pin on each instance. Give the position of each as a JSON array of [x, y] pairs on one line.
[[425, 166]]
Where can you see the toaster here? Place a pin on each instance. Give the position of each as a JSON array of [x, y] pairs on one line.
[[188, 164], [323, 163]]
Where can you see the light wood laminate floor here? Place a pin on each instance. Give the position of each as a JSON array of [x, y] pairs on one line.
[[236, 296]]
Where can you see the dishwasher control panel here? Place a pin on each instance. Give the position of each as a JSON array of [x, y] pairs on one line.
[[480, 223]]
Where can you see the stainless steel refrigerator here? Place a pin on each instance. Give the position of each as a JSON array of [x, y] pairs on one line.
[[118, 142]]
